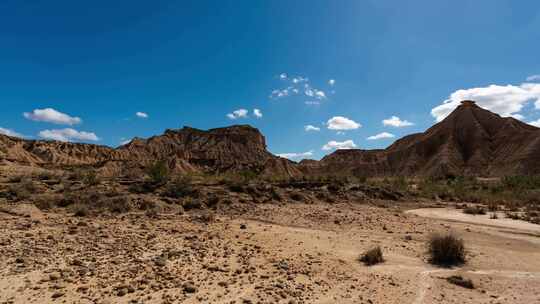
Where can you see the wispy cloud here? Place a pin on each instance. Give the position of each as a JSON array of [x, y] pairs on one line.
[[68, 134], [332, 82], [382, 135], [10, 132], [396, 122], [331, 145], [533, 78], [240, 113], [141, 115], [309, 128], [294, 156], [342, 123], [52, 116]]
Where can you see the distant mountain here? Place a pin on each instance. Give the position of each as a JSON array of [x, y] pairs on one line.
[[231, 149], [470, 141]]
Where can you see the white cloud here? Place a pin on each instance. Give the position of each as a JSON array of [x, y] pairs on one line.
[[10, 132], [258, 113], [52, 116], [381, 136], [68, 134], [504, 100], [533, 78], [395, 121], [348, 144], [311, 128], [298, 85], [141, 115], [312, 103], [299, 79], [535, 123], [332, 82], [342, 123], [296, 155], [240, 113]]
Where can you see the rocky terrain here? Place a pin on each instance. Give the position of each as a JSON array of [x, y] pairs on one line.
[[195, 216]]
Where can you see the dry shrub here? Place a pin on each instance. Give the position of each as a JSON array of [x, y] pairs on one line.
[[372, 257], [119, 204], [460, 281], [179, 188], [446, 250], [474, 210], [79, 210]]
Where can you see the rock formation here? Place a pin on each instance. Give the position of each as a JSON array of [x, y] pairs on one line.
[[470, 141]]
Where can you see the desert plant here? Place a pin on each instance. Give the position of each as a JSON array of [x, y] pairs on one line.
[[90, 178], [474, 210], [372, 256], [79, 210], [119, 204], [23, 190], [179, 187], [460, 281], [446, 250], [158, 172]]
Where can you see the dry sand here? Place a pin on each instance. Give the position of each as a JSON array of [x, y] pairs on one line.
[[295, 253]]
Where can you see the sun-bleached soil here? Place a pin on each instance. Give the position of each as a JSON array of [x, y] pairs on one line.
[[270, 253]]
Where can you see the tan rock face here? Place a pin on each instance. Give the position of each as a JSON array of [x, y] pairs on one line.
[[234, 148], [471, 140]]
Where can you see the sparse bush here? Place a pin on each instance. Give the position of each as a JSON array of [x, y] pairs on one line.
[[207, 217], [513, 216], [190, 204], [460, 281], [446, 250], [474, 210], [79, 210], [45, 202], [158, 172], [494, 216], [295, 196], [90, 178], [372, 256], [23, 190], [180, 187], [119, 205]]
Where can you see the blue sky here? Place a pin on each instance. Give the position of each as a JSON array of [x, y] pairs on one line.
[[193, 62]]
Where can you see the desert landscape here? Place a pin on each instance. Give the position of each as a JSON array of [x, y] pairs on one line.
[[450, 215]]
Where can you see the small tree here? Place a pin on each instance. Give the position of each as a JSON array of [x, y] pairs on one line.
[[159, 172]]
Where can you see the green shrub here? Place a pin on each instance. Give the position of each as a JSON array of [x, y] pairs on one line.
[[158, 172], [179, 188], [372, 256], [446, 250], [90, 178]]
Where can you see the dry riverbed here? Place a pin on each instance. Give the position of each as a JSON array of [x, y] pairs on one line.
[[293, 253]]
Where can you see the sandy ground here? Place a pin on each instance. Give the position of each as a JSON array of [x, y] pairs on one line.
[[295, 253]]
